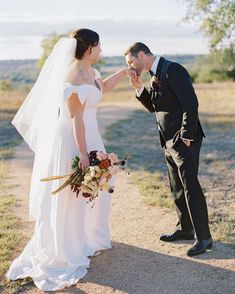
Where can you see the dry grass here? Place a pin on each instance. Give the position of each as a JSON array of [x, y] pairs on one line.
[[11, 101], [216, 98], [217, 109], [153, 188], [9, 223]]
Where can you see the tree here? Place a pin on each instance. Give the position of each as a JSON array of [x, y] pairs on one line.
[[6, 85], [47, 45], [210, 68], [217, 21]]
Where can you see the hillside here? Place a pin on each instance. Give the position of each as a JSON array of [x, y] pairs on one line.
[[25, 72], [19, 72]]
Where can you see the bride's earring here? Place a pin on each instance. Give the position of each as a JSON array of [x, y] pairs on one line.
[[92, 56]]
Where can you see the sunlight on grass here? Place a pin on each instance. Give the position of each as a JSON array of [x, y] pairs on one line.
[[224, 230], [217, 104], [10, 235], [153, 188], [9, 223], [11, 101]]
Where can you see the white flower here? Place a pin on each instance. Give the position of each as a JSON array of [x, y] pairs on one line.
[[92, 174], [101, 155], [113, 157], [88, 178]]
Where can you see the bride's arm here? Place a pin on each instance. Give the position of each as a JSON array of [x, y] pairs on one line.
[[76, 112], [110, 82]]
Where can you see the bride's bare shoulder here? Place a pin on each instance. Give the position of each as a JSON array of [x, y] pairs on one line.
[[73, 75]]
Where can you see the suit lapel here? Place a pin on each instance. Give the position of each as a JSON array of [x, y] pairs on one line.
[[154, 92], [159, 67]]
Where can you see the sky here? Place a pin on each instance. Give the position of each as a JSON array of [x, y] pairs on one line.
[[157, 23]]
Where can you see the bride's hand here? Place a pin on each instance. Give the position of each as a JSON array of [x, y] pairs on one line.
[[84, 161]]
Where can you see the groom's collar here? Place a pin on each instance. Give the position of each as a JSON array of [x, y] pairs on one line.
[[154, 65]]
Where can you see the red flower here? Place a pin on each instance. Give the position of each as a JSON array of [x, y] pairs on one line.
[[105, 163], [75, 189], [155, 82], [86, 195]]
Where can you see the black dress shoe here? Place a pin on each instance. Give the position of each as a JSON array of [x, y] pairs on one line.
[[200, 247], [177, 235]]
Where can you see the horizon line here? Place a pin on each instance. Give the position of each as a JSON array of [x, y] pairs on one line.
[[112, 56]]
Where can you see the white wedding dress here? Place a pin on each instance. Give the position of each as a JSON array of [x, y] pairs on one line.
[[67, 229]]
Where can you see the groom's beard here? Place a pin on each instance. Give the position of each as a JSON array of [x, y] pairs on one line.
[[141, 68]]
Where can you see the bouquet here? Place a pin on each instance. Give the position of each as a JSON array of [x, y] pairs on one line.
[[88, 183]]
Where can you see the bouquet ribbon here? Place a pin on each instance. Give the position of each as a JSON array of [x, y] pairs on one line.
[[69, 181]]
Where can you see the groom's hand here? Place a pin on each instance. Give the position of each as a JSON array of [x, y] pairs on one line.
[[135, 79], [132, 74], [187, 142], [136, 83]]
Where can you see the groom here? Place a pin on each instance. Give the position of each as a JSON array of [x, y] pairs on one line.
[[175, 103]]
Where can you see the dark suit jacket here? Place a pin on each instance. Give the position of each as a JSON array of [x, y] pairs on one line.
[[174, 102]]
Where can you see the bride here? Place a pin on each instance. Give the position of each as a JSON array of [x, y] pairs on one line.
[[58, 122]]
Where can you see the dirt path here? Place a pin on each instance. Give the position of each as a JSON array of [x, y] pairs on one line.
[[138, 261]]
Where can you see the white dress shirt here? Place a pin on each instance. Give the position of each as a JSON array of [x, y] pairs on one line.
[[153, 69]]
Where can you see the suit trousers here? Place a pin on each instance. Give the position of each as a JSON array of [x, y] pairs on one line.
[[190, 202]]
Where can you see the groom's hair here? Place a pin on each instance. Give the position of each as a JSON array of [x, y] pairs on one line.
[[136, 48]]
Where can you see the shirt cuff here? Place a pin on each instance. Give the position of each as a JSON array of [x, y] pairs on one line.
[[140, 91], [186, 139]]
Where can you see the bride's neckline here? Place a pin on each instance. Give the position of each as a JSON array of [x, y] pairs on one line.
[[86, 84]]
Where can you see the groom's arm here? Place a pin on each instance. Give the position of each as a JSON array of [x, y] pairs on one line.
[[142, 93], [145, 98], [180, 83]]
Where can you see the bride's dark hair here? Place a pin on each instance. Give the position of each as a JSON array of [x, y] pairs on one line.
[[85, 38]]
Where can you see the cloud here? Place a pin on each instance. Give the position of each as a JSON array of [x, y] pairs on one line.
[[117, 33], [32, 25], [73, 16], [20, 48]]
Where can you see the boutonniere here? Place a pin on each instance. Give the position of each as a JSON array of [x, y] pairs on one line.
[[155, 82]]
